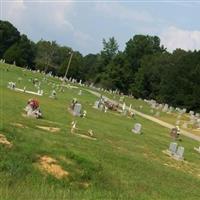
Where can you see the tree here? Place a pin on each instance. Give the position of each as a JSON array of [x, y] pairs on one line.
[[22, 52], [8, 36], [110, 50]]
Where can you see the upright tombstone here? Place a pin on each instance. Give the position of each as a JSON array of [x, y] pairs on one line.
[[96, 104], [137, 128], [80, 92], [172, 148], [77, 109], [129, 109], [53, 94], [179, 153], [123, 106], [165, 108], [191, 112]]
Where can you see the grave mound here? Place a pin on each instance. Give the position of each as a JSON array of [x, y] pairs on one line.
[[49, 165], [4, 141]]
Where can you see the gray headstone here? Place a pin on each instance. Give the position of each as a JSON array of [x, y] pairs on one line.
[[172, 147], [137, 128], [180, 152], [77, 109]]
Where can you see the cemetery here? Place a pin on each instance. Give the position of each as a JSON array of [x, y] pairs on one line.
[[73, 139]]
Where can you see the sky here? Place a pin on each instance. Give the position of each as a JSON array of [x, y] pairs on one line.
[[83, 24]]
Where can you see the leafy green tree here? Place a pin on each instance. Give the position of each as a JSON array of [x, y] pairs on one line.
[[22, 53], [8, 36], [110, 50]]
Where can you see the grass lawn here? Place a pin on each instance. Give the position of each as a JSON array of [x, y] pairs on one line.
[[117, 165]]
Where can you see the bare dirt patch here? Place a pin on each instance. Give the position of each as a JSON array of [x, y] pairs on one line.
[[50, 129], [4, 141], [50, 166]]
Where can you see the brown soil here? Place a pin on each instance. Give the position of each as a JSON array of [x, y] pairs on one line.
[[50, 129], [50, 166], [4, 141]]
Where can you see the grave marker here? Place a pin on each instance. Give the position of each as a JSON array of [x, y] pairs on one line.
[[137, 128]]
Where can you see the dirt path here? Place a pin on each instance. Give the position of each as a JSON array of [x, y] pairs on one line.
[[153, 119]]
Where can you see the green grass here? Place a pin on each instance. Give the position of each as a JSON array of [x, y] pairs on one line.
[[118, 165]]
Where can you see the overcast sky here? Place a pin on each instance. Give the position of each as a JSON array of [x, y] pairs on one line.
[[83, 24]]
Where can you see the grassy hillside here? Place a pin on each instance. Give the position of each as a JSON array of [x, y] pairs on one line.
[[118, 165]]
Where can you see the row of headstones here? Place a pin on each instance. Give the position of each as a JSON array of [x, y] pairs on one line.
[[2, 60], [194, 119], [176, 151]]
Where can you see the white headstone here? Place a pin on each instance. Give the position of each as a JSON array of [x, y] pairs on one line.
[[137, 128], [124, 106], [96, 104]]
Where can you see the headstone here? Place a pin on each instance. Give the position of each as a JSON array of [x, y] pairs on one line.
[[105, 109], [191, 112], [172, 148], [73, 127], [53, 94], [77, 109], [96, 104], [137, 128], [129, 109], [179, 153], [165, 108], [124, 106]]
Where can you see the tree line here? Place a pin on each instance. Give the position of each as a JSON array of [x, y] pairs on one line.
[[144, 69]]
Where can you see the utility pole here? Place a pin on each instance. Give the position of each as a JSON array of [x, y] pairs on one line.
[[68, 65]]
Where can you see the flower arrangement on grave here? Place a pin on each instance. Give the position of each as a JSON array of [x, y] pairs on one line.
[[32, 108]]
